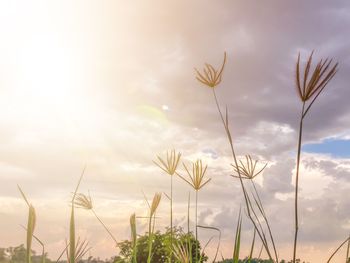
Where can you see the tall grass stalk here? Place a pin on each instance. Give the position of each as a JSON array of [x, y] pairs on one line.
[[133, 238], [80, 250], [152, 214], [72, 244], [248, 170], [262, 212], [237, 244], [189, 243], [196, 181], [169, 166], [30, 226], [308, 90], [43, 257], [252, 248], [338, 248], [212, 78], [347, 258]]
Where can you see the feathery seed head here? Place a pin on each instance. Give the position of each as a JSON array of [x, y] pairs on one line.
[[320, 76], [247, 169], [170, 164], [155, 203], [210, 76], [83, 201], [197, 175]]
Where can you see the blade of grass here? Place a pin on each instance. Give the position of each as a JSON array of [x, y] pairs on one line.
[[219, 239], [347, 260], [62, 253], [335, 252], [133, 237], [237, 239], [30, 226], [41, 243], [252, 247]]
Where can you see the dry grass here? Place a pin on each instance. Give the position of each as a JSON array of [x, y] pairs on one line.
[[247, 169], [308, 90], [252, 214]]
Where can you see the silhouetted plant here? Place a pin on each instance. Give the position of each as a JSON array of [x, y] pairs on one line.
[[212, 78], [308, 90]]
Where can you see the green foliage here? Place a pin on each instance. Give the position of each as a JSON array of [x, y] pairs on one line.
[[161, 247], [19, 255]]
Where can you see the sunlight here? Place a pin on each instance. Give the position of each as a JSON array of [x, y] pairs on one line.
[[49, 95]]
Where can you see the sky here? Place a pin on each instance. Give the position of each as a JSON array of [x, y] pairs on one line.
[[111, 84]]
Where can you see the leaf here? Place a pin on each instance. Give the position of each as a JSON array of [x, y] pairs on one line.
[[237, 239]]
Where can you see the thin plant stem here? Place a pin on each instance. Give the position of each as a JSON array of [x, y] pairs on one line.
[[239, 173], [297, 183], [188, 213], [171, 217], [260, 206], [149, 240], [252, 247], [261, 228], [196, 225], [335, 252], [189, 246], [105, 227], [261, 249], [72, 248], [347, 260]]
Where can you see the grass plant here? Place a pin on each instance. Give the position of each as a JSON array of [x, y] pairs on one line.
[[211, 78], [76, 249], [196, 181], [169, 166], [347, 257], [309, 87], [30, 226], [152, 214], [237, 245], [133, 238]]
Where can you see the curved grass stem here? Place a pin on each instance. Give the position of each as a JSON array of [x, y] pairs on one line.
[[297, 183], [245, 194]]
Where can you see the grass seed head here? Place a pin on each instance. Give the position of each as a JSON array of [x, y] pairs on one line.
[[247, 169], [155, 203], [210, 76], [323, 72], [170, 164], [83, 201], [196, 180]]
